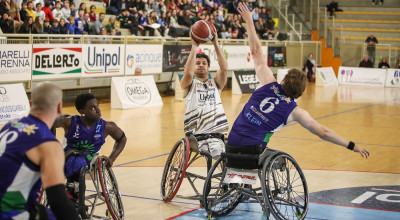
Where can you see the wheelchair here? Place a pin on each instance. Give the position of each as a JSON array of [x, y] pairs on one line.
[[233, 178], [102, 180], [177, 167]]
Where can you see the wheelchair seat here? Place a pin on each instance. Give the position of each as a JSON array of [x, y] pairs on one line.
[[243, 157]]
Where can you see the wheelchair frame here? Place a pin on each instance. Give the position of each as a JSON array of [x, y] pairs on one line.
[[106, 187], [182, 155], [220, 198]]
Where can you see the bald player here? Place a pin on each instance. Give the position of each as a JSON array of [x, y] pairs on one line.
[[29, 156]]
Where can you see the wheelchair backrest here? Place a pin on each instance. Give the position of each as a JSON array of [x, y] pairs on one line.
[[243, 157]]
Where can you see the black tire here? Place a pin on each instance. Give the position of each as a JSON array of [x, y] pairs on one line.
[[214, 190], [175, 169], [110, 190], [284, 187]]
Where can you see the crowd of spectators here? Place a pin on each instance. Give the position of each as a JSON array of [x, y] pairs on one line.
[[142, 17]]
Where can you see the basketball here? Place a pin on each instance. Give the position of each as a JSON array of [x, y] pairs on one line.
[[202, 31]]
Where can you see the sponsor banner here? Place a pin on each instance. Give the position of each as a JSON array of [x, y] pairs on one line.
[[209, 50], [361, 76], [393, 78], [147, 57], [325, 77], [277, 56], [241, 176], [236, 56], [369, 197], [249, 57], [244, 82], [281, 74], [13, 102], [134, 92], [175, 57], [56, 61], [103, 60], [15, 62]]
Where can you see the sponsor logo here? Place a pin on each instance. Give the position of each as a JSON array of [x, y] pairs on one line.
[[144, 60], [97, 136], [137, 91], [104, 60], [130, 61], [396, 78], [56, 61], [233, 175]]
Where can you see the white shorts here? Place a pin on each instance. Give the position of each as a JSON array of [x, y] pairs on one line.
[[213, 146]]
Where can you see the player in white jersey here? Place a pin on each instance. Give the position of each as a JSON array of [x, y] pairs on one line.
[[204, 111]]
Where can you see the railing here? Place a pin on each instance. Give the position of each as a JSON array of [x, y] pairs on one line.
[[277, 5]]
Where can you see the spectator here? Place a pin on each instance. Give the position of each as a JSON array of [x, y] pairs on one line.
[[200, 8], [208, 4], [138, 5], [384, 64], [224, 33], [39, 12], [162, 20], [173, 6], [81, 24], [46, 27], [30, 11], [71, 28], [115, 7], [66, 11], [26, 27], [99, 24], [260, 28], [366, 62], [238, 30], [23, 13], [184, 22], [13, 10], [196, 18], [138, 72], [153, 26], [310, 66], [219, 19], [153, 6], [63, 26], [73, 11], [256, 14], [332, 7], [92, 14], [47, 11], [35, 2], [375, 2], [228, 21], [7, 24], [371, 41], [38, 25], [193, 8], [264, 14], [111, 25], [270, 27], [57, 13], [55, 27], [130, 22]]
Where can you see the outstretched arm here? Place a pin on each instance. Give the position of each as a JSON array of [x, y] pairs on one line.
[[120, 141], [188, 72], [263, 72], [304, 118], [222, 73]]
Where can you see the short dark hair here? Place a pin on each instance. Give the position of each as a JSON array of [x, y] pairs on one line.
[[82, 99], [203, 55], [295, 83]]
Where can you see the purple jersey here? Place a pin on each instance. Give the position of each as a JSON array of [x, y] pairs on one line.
[[20, 178], [265, 113]]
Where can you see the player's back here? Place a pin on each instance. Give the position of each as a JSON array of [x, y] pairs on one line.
[[20, 178]]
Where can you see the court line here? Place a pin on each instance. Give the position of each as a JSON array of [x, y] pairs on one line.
[[290, 124]]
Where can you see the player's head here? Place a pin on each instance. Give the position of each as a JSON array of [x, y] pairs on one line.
[[294, 83], [202, 65], [46, 98], [87, 106]]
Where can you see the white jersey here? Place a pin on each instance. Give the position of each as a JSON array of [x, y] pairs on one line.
[[204, 111]]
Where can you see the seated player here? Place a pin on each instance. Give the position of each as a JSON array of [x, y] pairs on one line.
[[87, 132], [29, 156], [272, 105]]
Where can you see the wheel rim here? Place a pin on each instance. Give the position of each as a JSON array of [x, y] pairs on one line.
[[286, 188], [175, 169]]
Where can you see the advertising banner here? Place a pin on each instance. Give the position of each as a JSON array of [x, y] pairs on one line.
[[147, 57], [236, 56], [15, 62], [56, 61], [277, 56], [134, 92], [175, 57], [103, 60], [244, 82], [393, 78], [13, 102], [325, 77], [361, 76]]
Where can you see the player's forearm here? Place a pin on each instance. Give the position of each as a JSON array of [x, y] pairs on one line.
[[118, 148], [333, 137], [254, 42], [191, 61]]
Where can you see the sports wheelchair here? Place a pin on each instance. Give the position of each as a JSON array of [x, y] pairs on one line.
[[282, 189], [103, 189], [177, 167]]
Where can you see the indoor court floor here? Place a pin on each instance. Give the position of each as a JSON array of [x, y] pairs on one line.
[[342, 184]]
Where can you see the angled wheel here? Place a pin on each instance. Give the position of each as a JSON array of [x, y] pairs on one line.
[[174, 169], [284, 187], [110, 191], [219, 198]]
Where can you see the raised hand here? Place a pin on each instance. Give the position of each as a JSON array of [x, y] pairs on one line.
[[245, 13]]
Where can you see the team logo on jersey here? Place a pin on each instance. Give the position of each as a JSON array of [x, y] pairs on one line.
[[282, 97], [30, 129], [76, 134], [97, 136], [22, 127], [199, 85]]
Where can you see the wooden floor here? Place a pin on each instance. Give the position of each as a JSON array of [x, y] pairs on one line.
[[366, 115]]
